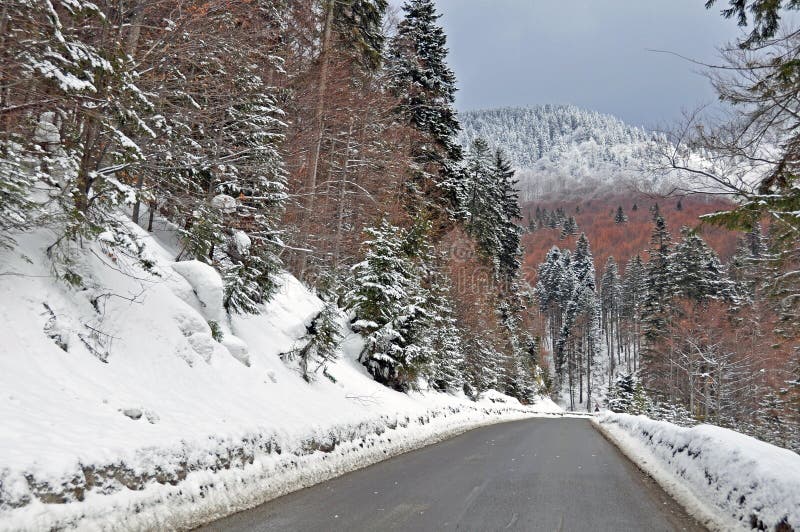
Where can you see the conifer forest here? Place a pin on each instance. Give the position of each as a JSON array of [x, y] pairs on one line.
[[272, 188]]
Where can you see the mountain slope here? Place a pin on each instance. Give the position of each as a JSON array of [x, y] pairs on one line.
[[562, 148]]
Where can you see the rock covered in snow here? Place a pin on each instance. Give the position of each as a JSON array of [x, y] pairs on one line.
[[237, 348], [225, 203], [206, 283], [133, 413]]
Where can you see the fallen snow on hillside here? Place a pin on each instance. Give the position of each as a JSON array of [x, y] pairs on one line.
[[123, 409], [725, 479]]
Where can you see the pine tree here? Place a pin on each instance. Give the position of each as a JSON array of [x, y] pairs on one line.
[[511, 251], [620, 217], [320, 344], [489, 201], [634, 290], [660, 288], [698, 272], [610, 297], [447, 364], [389, 304], [570, 228], [425, 87], [481, 201], [16, 207]]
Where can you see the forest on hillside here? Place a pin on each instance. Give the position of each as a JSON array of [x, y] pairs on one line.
[[321, 138], [562, 149]]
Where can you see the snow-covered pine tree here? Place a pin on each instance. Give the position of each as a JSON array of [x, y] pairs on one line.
[[447, 365], [620, 217], [610, 306], [634, 289], [425, 87], [698, 273], [481, 198], [587, 318], [388, 301], [79, 113], [569, 228], [219, 162], [550, 290], [656, 306], [17, 211], [509, 259]]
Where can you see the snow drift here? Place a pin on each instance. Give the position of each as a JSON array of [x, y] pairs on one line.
[[135, 402], [726, 479]]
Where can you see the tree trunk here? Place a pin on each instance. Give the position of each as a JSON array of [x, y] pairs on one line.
[[319, 117]]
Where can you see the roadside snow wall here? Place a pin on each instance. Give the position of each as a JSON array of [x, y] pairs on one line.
[[725, 479]]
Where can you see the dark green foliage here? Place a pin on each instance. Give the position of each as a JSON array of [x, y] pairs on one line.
[[359, 22], [389, 304], [216, 331], [570, 228], [425, 86], [620, 217], [489, 202], [764, 16], [698, 273], [320, 344]]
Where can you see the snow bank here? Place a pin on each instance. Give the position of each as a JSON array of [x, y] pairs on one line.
[[726, 479], [122, 409]]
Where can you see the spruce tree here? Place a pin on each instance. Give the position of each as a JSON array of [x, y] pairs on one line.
[[660, 288], [698, 273], [510, 249], [620, 217], [570, 228], [425, 87], [610, 298], [389, 305], [634, 290]]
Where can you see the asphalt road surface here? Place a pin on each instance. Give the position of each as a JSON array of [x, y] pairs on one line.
[[538, 474]]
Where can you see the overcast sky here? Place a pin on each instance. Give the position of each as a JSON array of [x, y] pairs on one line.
[[591, 53]]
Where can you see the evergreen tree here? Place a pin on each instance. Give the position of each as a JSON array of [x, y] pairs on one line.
[[610, 306], [511, 251], [489, 201], [570, 228], [634, 290], [425, 87], [698, 272], [620, 217], [481, 201], [320, 343], [660, 288], [388, 301], [359, 23], [16, 208]]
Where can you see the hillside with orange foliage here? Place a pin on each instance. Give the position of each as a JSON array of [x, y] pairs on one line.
[[595, 217]]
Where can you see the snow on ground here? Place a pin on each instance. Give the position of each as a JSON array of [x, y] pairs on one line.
[[121, 410], [725, 479]]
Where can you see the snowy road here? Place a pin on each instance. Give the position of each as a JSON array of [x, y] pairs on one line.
[[539, 474]]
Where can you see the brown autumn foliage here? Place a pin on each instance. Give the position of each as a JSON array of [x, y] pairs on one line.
[[595, 217]]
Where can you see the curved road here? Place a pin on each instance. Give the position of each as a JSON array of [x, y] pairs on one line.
[[537, 474]]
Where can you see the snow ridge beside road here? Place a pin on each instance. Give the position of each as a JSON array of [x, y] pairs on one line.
[[135, 402], [725, 479]]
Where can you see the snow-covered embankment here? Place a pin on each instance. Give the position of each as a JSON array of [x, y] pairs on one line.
[[725, 479], [134, 402]]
